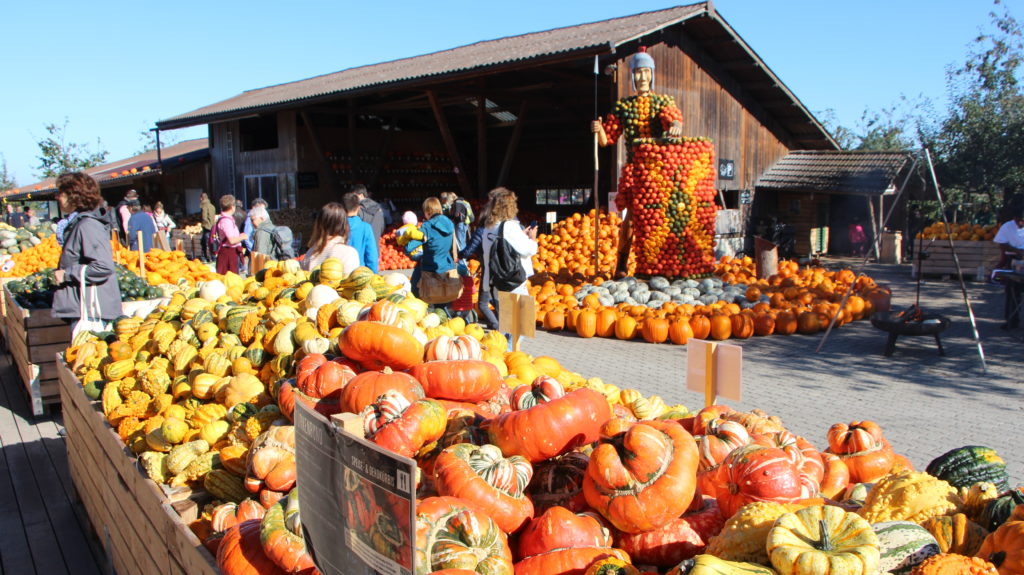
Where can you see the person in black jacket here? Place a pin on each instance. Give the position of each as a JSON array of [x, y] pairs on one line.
[[370, 211], [86, 241], [474, 249]]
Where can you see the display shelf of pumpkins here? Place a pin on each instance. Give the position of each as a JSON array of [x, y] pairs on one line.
[[525, 467], [16, 240], [34, 258], [567, 253], [959, 232], [165, 268], [392, 255], [733, 304]]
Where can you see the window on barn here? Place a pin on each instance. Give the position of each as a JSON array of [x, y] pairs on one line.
[[258, 133], [261, 186]]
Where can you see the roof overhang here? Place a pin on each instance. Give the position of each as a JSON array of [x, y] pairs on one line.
[[859, 173]]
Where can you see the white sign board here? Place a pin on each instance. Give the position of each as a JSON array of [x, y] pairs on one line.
[[725, 378]]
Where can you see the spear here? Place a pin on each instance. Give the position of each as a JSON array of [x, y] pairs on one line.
[[597, 203]]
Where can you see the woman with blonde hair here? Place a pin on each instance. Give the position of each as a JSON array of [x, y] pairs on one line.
[[328, 240], [438, 238]]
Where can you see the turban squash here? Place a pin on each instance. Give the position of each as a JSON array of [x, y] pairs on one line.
[[453, 534], [481, 475], [642, 475], [551, 427], [404, 427], [376, 345]]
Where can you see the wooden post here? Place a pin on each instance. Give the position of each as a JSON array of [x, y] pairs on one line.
[[449, 143], [874, 228], [513, 145], [597, 208], [325, 164], [481, 142], [709, 374], [142, 255], [179, 245]]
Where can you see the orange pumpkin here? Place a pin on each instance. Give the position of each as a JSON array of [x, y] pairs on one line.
[[742, 325], [625, 327], [680, 331], [700, 326], [721, 327], [586, 323], [606, 322], [655, 330], [809, 323], [764, 324], [554, 320]]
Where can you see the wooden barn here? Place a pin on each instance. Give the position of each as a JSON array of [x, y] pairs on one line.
[[513, 112]]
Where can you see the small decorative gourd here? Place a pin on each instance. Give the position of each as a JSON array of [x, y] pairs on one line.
[[823, 540]]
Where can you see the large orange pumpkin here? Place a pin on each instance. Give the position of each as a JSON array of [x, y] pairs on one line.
[[764, 324], [680, 331], [701, 326], [586, 323], [721, 327], [606, 322], [554, 320], [655, 329], [786, 323], [809, 323], [742, 325], [625, 327], [378, 345]]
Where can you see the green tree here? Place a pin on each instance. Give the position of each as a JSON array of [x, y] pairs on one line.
[[6, 180], [977, 146], [57, 155], [148, 139]]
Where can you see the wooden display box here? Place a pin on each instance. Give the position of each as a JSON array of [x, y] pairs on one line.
[[34, 338], [972, 255], [141, 531]]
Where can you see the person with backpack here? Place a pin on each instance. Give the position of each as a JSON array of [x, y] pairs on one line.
[[329, 240], [225, 237], [248, 227], [474, 249], [460, 213], [370, 212], [275, 242], [506, 244]]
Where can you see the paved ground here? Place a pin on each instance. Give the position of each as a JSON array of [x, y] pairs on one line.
[[926, 404]]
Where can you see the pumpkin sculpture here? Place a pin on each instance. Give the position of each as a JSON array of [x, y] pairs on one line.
[[469, 380], [642, 475], [480, 475], [560, 528], [452, 534], [378, 345], [552, 427], [281, 536], [823, 540], [404, 427], [756, 473]]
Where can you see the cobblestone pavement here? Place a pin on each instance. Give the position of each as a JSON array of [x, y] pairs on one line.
[[926, 404]]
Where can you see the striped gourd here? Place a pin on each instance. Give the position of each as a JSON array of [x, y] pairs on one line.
[[711, 565], [225, 485], [965, 466], [236, 318], [118, 370], [903, 545], [956, 533]]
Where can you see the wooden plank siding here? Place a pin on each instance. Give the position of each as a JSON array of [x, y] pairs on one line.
[[231, 164]]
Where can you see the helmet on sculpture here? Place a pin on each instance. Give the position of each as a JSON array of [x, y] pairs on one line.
[[641, 60]]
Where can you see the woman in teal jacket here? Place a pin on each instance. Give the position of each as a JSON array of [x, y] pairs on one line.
[[438, 235]]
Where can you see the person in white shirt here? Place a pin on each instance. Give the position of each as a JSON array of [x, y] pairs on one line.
[[1010, 238], [504, 214], [328, 240]]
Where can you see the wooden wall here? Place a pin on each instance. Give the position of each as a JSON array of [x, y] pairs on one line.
[[231, 165]]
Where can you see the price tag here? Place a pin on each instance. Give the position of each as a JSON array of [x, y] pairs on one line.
[[551, 217], [7, 266]]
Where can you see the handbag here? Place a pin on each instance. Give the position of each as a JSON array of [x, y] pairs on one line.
[[90, 318], [441, 288]]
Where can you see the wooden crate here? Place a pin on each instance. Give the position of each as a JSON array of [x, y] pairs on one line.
[[34, 338], [140, 530], [972, 255]]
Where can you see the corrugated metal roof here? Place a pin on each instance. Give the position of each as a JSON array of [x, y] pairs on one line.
[[113, 173], [604, 35], [835, 172]]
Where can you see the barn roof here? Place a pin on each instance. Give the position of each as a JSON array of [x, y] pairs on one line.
[[833, 171], [709, 29], [114, 173]]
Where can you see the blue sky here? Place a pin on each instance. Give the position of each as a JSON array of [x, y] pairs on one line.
[[113, 68]]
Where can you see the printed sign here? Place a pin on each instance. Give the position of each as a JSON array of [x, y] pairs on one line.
[[358, 511], [726, 169]]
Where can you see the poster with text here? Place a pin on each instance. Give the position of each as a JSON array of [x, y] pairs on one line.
[[358, 500]]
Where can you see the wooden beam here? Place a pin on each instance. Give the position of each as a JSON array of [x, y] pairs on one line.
[[449, 143], [513, 145], [333, 183], [481, 141]]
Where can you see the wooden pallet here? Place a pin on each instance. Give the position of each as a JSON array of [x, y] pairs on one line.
[[34, 338], [139, 526], [972, 255]]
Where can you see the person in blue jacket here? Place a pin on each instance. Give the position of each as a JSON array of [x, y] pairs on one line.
[[438, 236], [360, 233]]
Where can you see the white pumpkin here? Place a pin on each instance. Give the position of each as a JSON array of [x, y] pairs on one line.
[[400, 280], [321, 295], [212, 290]]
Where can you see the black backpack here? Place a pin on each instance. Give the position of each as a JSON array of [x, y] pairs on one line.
[[504, 266]]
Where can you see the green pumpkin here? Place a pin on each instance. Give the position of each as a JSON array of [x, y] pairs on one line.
[[202, 316], [998, 510], [256, 355], [235, 317], [965, 466]]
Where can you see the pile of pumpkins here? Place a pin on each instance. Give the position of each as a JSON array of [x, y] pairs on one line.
[[733, 304], [525, 467]]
